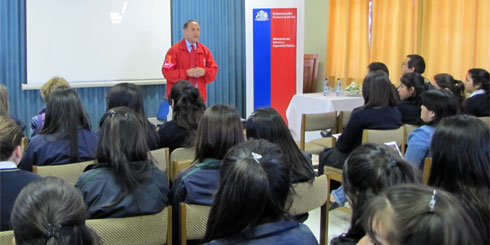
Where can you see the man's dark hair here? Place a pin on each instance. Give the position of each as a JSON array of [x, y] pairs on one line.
[[189, 21], [417, 62], [378, 66]]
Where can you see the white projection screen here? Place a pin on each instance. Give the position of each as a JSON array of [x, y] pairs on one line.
[[96, 40]]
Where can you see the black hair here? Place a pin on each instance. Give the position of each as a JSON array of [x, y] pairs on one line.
[[378, 66], [188, 22], [253, 190], [369, 171], [415, 81], [446, 81], [51, 211], [417, 214], [122, 147], [460, 150], [267, 123], [188, 108], [481, 77], [130, 95], [64, 117], [10, 137], [220, 129], [443, 103], [417, 62], [377, 90]]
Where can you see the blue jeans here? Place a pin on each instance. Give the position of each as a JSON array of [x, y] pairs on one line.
[[339, 196]]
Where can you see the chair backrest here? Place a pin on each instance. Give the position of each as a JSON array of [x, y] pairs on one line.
[[147, 229], [409, 128], [486, 120], [381, 136], [344, 117], [308, 196], [179, 155], [427, 167], [179, 166], [6, 237], [310, 72], [161, 158], [68, 172], [317, 121], [193, 221]]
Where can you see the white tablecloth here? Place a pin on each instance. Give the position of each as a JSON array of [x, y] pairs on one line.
[[316, 103]]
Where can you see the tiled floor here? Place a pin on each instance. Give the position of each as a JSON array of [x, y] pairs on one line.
[[338, 223]]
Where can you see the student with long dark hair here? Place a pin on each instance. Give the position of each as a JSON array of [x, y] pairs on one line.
[[124, 181], [460, 164], [267, 123], [378, 112], [51, 211], [130, 95], [478, 84], [447, 82], [369, 171], [417, 214], [410, 89], [250, 204], [436, 105], [65, 137], [12, 179], [187, 109]]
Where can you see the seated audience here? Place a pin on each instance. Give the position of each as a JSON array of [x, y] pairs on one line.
[[478, 84], [410, 89], [460, 164], [250, 204], [436, 104], [447, 82], [124, 182], [378, 112], [4, 106], [369, 171], [51, 211], [417, 214], [37, 121], [65, 137], [130, 95], [12, 180], [220, 129], [187, 109], [415, 63], [378, 66], [267, 123]]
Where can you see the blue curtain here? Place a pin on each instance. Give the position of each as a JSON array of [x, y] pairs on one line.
[[25, 104], [223, 32]]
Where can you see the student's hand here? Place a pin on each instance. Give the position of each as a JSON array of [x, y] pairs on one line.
[[199, 72], [191, 72]]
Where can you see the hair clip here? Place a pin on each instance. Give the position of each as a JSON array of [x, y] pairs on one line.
[[432, 202], [111, 113], [53, 231], [393, 162], [256, 157]]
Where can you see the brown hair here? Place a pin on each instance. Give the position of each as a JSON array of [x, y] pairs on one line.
[[10, 137], [51, 85], [4, 100]]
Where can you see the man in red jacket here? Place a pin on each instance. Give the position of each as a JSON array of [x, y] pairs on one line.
[[190, 60]]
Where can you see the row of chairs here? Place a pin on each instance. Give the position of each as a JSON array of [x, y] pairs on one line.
[[157, 228], [176, 162]]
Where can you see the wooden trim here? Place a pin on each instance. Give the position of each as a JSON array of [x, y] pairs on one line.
[[34, 169], [167, 163], [169, 224], [183, 223], [427, 167], [302, 136]]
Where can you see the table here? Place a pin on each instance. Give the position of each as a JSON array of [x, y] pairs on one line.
[[316, 103]]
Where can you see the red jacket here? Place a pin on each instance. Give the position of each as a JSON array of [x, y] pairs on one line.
[[177, 61]]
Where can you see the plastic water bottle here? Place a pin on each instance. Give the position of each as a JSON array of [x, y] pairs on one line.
[[325, 87], [338, 88]]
